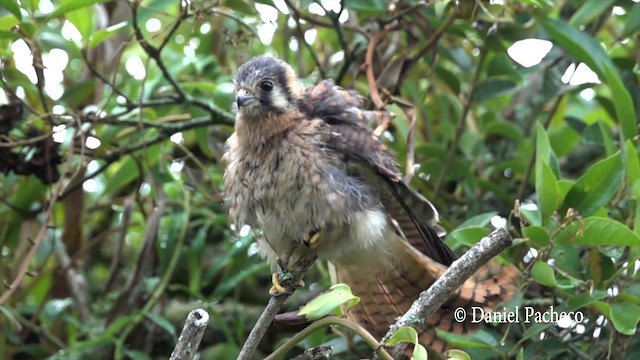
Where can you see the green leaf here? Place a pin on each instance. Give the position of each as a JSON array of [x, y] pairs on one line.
[[537, 234], [82, 19], [330, 301], [8, 22], [546, 190], [590, 10], [455, 354], [479, 220], [596, 187], [73, 5], [493, 87], [586, 49], [463, 341], [505, 129], [100, 36], [409, 335], [12, 7], [632, 162], [8, 35], [598, 231], [624, 316], [543, 274], [633, 21], [546, 183], [468, 235]]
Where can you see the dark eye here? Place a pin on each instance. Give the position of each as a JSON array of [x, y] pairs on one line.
[[266, 85]]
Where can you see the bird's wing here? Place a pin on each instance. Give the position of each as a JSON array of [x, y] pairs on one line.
[[348, 135], [388, 292]]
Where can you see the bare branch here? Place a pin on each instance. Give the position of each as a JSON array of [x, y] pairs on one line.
[[432, 299], [271, 310], [191, 335]]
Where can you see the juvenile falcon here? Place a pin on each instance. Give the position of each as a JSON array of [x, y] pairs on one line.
[[303, 167]]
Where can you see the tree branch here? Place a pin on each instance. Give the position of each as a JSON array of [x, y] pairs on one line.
[[271, 310], [432, 299], [191, 335]]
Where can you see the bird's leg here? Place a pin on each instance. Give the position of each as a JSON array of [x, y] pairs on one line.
[[281, 281], [312, 239]]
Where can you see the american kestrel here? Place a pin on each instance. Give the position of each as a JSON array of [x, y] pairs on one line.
[[303, 166]]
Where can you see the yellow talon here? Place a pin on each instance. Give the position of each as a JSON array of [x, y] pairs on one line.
[[312, 240], [276, 289]]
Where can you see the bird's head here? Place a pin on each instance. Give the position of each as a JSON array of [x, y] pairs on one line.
[[266, 85]]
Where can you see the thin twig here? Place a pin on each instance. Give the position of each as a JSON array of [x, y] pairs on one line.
[[272, 308], [433, 298], [368, 63], [328, 321]]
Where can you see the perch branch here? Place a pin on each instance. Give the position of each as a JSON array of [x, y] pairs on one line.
[[191, 335], [432, 299], [271, 310]]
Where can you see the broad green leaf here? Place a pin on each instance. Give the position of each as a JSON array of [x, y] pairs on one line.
[[532, 216], [9, 35], [330, 302], [102, 35], [596, 187], [82, 19], [537, 234], [586, 49], [501, 64], [546, 184], [7, 22], [546, 190], [568, 259], [624, 316], [493, 87], [479, 220], [598, 231], [543, 146], [543, 274], [633, 21], [590, 10], [73, 5], [12, 7], [505, 129], [469, 235], [408, 335]]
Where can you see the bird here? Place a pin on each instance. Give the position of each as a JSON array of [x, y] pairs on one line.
[[303, 166]]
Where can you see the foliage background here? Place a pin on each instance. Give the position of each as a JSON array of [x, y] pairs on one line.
[[111, 224]]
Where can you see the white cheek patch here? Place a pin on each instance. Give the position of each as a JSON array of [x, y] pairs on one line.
[[279, 99]]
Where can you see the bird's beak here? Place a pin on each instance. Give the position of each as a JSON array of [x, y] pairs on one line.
[[243, 98]]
